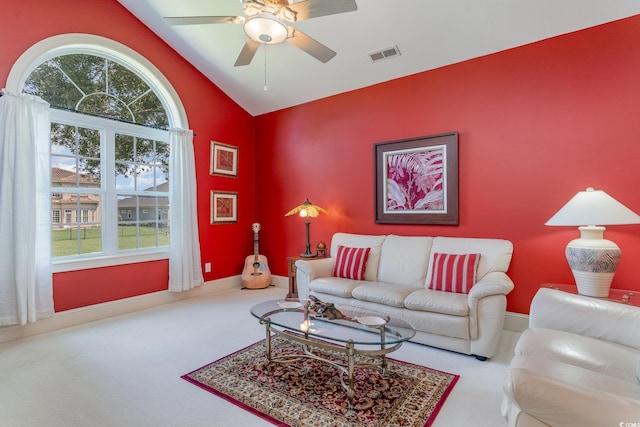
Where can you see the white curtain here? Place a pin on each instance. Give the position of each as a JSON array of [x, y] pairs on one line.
[[185, 271], [25, 210]]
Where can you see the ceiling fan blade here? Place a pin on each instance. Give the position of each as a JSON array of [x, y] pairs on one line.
[[311, 46], [246, 54], [200, 20], [314, 8]]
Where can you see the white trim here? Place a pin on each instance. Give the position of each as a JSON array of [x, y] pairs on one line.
[[96, 45], [79, 263], [99, 123], [78, 316], [516, 322]]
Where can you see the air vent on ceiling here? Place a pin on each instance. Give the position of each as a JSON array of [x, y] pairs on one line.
[[384, 54]]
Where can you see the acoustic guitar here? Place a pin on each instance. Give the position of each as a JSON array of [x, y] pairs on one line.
[[256, 274]]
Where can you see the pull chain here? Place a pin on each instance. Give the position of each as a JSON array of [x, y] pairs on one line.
[[265, 67]]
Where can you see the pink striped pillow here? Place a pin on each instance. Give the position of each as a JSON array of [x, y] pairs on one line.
[[351, 262], [454, 272]]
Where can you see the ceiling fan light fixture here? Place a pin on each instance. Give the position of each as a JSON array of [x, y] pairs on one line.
[[266, 28]]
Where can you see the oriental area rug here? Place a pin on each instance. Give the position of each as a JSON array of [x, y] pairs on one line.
[[308, 392]]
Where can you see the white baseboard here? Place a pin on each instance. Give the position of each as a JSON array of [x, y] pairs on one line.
[[516, 322], [78, 316], [513, 321]]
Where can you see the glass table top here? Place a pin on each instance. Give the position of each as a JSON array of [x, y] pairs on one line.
[[360, 326]]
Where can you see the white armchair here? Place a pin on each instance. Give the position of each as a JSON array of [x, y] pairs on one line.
[[577, 364]]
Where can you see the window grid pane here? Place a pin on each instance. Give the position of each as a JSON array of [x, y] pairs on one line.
[[79, 230], [143, 222]]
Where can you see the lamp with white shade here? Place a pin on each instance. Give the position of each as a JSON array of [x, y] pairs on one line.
[[593, 259]]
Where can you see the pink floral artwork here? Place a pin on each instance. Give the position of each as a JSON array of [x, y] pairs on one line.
[[415, 180]]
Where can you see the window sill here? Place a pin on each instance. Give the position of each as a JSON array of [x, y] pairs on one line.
[[108, 261]]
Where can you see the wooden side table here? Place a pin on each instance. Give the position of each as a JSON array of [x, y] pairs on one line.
[[293, 287], [622, 296]]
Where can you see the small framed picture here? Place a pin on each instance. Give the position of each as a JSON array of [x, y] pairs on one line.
[[224, 207], [224, 160]]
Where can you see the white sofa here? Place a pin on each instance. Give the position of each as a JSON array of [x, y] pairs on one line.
[[576, 365], [396, 280]]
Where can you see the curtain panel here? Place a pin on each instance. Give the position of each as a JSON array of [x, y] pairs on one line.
[[26, 293], [185, 270]]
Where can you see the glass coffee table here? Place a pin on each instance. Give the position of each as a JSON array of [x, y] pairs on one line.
[[360, 333]]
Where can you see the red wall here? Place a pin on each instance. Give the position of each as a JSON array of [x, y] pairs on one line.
[[536, 125], [85, 287], [211, 114]]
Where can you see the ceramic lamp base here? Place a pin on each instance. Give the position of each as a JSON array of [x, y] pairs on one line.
[[593, 284], [593, 261]]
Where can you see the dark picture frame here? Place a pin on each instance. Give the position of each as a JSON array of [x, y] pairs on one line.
[[416, 180]]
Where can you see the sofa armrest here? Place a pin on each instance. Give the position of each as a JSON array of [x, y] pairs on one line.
[[588, 316], [495, 283], [307, 271], [487, 308]]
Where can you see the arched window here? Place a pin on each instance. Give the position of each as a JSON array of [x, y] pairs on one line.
[[109, 148], [97, 85]]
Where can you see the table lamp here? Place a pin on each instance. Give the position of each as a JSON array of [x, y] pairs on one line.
[[593, 259], [307, 210]]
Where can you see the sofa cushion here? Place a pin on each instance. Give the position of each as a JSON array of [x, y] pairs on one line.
[[351, 262], [442, 326], [361, 241], [495, 254], [334, 286], [403, 260], [453, 272], [438, 302], [382, 293]]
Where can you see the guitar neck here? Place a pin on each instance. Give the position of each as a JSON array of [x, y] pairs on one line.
[[255, 246]]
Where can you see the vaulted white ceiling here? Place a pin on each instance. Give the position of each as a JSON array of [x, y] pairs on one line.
[[428, 33]]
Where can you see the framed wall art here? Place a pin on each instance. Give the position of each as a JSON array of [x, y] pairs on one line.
[[224, 160], [224, 207], [416, 180]]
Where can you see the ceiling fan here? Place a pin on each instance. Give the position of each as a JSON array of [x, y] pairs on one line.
[[265, 23]]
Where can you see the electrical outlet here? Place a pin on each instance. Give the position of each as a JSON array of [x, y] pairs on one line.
[[207, 267]]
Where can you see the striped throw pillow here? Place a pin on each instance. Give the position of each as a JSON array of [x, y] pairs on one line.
[[351, 262], [454, 272]]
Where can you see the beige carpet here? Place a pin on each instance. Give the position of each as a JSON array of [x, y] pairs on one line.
[[308, 392], [125, 371]]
